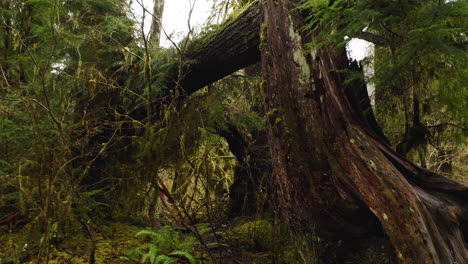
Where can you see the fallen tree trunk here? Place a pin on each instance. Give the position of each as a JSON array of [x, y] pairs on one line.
[[233, 46]]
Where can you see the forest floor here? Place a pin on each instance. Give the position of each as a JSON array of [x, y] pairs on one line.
[[118, 242]]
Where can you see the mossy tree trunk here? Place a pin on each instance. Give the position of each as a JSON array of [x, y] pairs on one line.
[[330, 170]]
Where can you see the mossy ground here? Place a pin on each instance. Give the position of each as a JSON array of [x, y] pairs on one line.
[[113, 240], [244, 241]]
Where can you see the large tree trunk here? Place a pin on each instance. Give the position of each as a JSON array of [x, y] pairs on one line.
[[328, 167]]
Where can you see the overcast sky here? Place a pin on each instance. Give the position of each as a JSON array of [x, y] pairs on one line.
[[175, 16]]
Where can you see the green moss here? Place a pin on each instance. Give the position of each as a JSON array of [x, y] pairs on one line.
[[278, 120], [263, 39], [112, 240], [272, 115], [16, 244], [253, 236], [260, 240]]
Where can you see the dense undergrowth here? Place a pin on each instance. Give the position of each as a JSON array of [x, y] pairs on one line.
[[120, 241]]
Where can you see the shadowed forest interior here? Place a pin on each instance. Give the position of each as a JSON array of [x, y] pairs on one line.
[[254, 139]]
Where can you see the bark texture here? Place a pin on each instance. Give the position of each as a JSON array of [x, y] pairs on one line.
[[329, 168]]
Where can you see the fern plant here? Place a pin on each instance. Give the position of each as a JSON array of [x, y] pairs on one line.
[[165, 247]]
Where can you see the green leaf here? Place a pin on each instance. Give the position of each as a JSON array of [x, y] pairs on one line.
[[163, 259], [147, 232], [184, 254]]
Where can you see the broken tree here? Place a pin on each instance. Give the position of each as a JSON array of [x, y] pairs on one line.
[[328, 165], [331, 173]]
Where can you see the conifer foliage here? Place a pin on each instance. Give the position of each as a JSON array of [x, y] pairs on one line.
[[419, 71]]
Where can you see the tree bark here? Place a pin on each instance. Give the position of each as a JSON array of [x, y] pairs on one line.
[[329, 169]]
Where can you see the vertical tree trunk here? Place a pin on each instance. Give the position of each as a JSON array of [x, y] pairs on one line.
[[329, 169], [253, 166], [156, 23]]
